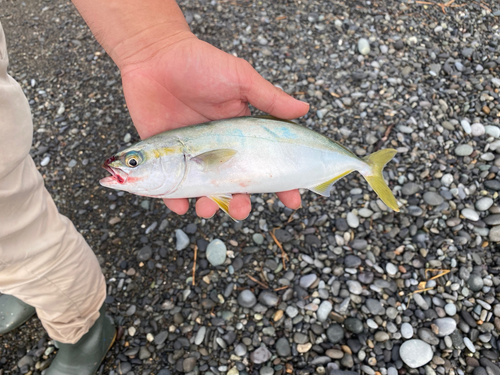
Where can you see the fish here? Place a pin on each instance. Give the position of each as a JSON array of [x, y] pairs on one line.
[[252, 155]]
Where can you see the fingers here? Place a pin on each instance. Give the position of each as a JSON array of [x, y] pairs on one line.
[[290, 198], [179, 206], [240, 206], [268, 98], [206, 208]]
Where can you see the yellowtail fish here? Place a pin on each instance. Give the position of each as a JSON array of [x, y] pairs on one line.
[[250, 155]]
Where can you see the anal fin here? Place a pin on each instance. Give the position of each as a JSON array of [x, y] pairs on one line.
[[325, 187], [222, 201]]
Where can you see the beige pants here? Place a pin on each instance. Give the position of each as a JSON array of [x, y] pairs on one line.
[[44, 261]]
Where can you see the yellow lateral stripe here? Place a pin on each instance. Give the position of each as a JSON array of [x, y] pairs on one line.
[[163, 151]]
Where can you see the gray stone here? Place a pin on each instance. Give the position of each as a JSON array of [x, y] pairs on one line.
[[446, 326], [283, 347], [260, 355], [415, 353], [450, 308], [247, 299], [464, 150], [352, 220], [161, 337], [470, 214], [363, 46], [433, 199], [354, 287], [144, 254], [406, 330], [374, 306], [494, 234], [324, 310], [200, 335], [352, 261], [484, 204], [268, 299], [189, 364], [216, 252], [420, 301], [410, 188], [353, 325], [182, 240], [335, 333], [307, 280], [475, 282]]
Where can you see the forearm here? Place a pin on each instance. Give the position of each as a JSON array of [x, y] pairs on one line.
[[130, 29]]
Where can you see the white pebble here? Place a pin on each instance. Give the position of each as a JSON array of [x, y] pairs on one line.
[[466, 126], [469, 345], [484, 204], [127, 138], [352, 220], [45, 161], [406, 330], [477, 129], [363, 46], [447, 179], [391, 269], [450, 309], [494, 131], [470, 214]]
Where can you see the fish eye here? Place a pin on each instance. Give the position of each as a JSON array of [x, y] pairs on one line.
[[132, 159]]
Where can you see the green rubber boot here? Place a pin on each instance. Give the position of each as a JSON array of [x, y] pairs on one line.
[[85, 356], [13, 313]]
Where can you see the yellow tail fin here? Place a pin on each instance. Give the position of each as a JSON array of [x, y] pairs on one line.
[[377, 161]]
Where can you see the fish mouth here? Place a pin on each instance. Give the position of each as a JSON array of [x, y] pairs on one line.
[[117, 176]]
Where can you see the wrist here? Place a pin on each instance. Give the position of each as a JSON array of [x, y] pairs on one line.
[[132, 31]]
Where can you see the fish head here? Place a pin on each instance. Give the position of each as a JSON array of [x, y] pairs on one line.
[[144, 171]]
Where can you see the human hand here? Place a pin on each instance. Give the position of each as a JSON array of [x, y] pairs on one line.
[[191, 82]]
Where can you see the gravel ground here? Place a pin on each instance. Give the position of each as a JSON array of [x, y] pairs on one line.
[[365, 290]]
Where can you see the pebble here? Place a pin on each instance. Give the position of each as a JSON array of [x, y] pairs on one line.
[[446, 326], [354, 287], [463, 150], [260, 355], [420, 301], [268, 298], [283, 347], [353, 325], [391, 269], [247, 299], [415, 353], [466, 126], [470, 214], [433, 199], [450, 308], [477, 129], [484, 204], [45, 161], [475, 283], [469, 345], [324, 310], [216, 252], [307, 280], [363, 46], [352, 220], [335, 333], [494, 234], [182, 240], [406, 330]]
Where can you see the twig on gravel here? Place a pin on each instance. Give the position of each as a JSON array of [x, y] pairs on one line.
[[443, 6], [194, 262], [264, 285], [284, 256]]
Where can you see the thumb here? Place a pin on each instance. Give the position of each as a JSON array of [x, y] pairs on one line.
[[268, 98]]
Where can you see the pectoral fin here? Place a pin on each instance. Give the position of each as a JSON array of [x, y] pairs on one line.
[[223, 202], [214, 158], [325, 187]]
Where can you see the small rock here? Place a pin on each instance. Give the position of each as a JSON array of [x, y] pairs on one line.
[[415, 353], [363, 46], [446, 326], [247, 299], [182, 240], [463, 150], [216, 252], [260, 355]]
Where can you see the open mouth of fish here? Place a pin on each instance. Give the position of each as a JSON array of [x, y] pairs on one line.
[[117, 175]]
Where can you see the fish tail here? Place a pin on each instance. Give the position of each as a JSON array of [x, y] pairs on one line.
[[377, 162]]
